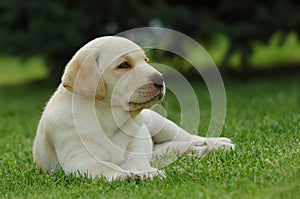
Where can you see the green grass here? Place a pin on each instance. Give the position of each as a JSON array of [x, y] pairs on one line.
[[262, 119], [16, 71], [266, 56], [270, 55]]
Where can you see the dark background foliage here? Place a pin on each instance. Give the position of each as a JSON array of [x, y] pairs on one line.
[[55, 29]]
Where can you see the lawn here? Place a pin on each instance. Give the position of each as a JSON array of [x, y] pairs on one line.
[[15, 71], [262, 119]]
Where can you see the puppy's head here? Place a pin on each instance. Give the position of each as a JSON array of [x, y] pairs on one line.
[[114, 69]]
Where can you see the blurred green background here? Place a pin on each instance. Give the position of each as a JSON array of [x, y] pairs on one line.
[[256, 41], [37, 38]]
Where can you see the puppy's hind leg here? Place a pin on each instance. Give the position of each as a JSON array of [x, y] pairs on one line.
[[83, 161]]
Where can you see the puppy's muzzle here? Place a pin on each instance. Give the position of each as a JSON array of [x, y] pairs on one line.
[[149, 93]]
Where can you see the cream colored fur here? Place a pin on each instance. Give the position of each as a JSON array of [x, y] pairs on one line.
[[97, 122]]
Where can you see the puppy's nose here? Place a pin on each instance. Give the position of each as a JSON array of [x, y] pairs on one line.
[[158, 80]]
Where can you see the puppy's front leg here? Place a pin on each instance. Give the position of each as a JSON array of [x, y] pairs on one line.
[[169, 137], [138, 156], [161, 129]]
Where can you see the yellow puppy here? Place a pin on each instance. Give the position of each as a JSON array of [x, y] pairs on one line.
[[96, 123]]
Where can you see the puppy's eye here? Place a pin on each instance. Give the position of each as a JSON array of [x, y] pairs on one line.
[[124, 65]]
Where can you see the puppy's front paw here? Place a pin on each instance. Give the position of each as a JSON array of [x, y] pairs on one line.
[[201, 145], [219, 143], [148, 174], [117, 176]]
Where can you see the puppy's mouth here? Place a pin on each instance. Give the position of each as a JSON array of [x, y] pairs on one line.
[[156, 98]]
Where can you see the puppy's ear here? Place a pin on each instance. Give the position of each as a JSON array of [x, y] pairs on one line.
[[82, 75]]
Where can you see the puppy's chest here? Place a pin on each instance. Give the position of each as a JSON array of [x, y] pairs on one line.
[[129, 133]]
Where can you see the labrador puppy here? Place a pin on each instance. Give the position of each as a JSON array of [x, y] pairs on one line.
[[97, 122]]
